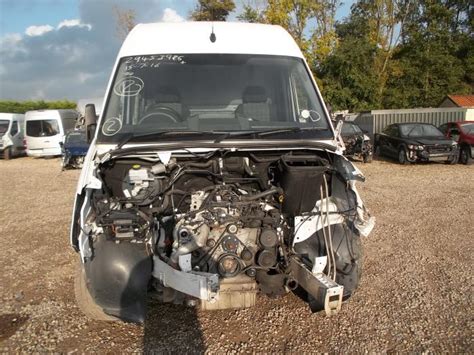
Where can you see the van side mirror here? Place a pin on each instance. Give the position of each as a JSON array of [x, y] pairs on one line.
[[90, 121]]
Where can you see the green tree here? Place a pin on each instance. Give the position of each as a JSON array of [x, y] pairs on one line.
[[212, 10], [310, 22], [250, 14], [23, 106], [324, 39], [348, 79], [125, 21], [436, 54], [294, 16]]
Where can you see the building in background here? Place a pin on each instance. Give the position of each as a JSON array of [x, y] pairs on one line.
[[464, 101]]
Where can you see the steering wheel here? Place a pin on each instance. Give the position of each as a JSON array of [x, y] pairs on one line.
[[162, 114]]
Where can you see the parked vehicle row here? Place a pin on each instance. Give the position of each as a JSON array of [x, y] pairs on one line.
[[416, 142], [43, 133]]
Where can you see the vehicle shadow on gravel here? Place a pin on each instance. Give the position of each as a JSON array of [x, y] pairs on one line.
[[172, 328]]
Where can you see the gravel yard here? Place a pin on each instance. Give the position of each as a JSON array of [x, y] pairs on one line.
[[415, 295]]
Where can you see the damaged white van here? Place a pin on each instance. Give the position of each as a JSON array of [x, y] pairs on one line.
[[214, 174], [12, 130]]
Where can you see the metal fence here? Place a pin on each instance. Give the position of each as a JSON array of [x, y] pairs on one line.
[[375, 121]]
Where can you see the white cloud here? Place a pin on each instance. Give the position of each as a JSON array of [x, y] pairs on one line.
[[38, 30], [74, 23], [11, 38], [74, 58], [83, 77], [170, 15]]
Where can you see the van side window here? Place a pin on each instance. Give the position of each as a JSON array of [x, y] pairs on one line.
[[387, 130], [394, 131], [14, 129]]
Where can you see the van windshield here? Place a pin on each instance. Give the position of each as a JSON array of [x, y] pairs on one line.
[[210, 93], [42, 128], [4, 126]]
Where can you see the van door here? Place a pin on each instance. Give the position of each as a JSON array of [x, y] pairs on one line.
[[44, 136], [17, 137]]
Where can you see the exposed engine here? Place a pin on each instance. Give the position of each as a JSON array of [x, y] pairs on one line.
[[237, 217]]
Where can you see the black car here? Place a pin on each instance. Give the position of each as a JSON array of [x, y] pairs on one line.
[[415, 142], [357, 142]]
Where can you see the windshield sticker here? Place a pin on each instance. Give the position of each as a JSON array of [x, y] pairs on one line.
[[112, 126], [314, 116], [152, 61], [129, 86]]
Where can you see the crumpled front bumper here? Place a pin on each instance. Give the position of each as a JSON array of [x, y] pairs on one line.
[[423, 155]]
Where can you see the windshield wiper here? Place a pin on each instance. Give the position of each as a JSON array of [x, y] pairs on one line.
[[267, 132], [131, 137], [223, 134]]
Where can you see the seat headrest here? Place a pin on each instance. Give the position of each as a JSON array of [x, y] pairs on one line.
[[254, 94], [167, 94]]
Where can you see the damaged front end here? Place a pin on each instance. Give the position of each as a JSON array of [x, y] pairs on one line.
[[214, 228]]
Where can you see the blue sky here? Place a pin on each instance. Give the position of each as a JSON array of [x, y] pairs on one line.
[[54, 49]]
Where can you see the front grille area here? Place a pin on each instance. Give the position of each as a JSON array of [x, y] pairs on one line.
[[438, 149]]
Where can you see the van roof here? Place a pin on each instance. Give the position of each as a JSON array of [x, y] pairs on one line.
[[11, 116], [194, 38], [41, 114]]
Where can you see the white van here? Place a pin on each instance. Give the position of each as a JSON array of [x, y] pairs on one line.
[[45, 130], [12, 130], [214, 173]]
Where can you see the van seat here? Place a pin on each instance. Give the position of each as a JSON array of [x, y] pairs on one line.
[[255, 104]]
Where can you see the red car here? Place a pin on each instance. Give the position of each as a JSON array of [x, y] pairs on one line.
[[463, 133]]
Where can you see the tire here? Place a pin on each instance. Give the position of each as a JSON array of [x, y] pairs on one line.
[[465, 155], [84, 299], [367, 158], [402, 156], [7, 153], [376, 152], [453, 160]]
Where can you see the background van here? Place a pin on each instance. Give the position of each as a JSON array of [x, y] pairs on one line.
[[45, 130], [12, 129]]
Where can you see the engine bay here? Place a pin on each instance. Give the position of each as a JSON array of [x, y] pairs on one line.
[[257, 221]]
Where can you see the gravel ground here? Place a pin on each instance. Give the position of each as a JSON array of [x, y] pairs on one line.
[[415, 294]]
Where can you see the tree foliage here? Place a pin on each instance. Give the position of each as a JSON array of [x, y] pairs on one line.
[[23, 106], [310, 22], [212, 10], [125, 21], [386, 53]]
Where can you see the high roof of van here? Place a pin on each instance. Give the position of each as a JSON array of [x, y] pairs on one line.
[[11, 116], [42, 114], [194, 38]]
